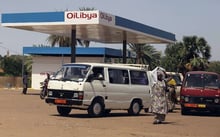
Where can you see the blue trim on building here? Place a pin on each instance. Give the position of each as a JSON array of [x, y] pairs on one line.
[[38, 17], [119, 21], [80, 51]]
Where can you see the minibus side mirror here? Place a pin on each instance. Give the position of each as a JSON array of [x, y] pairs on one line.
[[91, 77], [100, 76]]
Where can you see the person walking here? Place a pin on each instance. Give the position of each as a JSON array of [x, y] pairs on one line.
[[25, 83], [159, 106]]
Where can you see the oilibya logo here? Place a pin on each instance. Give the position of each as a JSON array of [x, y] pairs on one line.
[[81, 15], [88, 16]]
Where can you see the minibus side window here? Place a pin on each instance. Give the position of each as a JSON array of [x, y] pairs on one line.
[[117, 76], [139, 77], [98, 71]]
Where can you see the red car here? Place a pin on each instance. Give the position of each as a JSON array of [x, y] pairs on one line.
[[200, 91]]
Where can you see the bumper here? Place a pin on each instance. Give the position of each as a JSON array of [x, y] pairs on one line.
[[67, 102], [201, 106]]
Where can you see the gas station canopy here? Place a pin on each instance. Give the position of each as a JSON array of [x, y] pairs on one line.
[[94, 25]]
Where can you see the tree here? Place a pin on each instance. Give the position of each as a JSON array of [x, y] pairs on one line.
[[62, 41], [196, 53], [172, 58], [191, 54], [12, 65], [27, 64], [214, 66], [145, 54]]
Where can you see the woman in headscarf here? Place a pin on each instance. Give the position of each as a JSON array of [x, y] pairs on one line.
[[159, 105]]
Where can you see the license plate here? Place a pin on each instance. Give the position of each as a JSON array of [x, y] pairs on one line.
[[201, 105], [60, 101]]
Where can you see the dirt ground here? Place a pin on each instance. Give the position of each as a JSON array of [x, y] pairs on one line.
[[29, 116]]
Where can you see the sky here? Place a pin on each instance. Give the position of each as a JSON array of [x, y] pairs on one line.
[[180, 17]]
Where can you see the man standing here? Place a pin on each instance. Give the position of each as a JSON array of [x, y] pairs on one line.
[[25, 82]]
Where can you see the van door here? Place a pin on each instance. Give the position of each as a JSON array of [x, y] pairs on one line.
[[125, 85], [95, 85], [118, 89], [140, 86]]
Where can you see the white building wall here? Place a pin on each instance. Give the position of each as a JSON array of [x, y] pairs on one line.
[[42, 64]]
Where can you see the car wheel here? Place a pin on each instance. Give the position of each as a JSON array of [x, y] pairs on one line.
[[135, 108], [184, 111], [63, 111], [96, 109]]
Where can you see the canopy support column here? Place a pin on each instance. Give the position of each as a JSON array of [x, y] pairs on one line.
[[73, 45], [124, 51]]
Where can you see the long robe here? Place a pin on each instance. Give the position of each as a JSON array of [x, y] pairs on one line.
[[158, 98]]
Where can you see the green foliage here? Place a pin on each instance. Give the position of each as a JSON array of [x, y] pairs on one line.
[[214, 66], [172, 59], [28, 64], [12, 65], [191, 54], [196, 53], [145, 54], [62, 41]]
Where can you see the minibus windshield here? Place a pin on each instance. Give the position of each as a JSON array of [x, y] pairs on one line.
[[72, 72]]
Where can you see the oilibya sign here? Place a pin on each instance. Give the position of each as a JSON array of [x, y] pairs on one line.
[[85, 17]]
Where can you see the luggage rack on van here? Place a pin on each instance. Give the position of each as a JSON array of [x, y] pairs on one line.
[[142, 66]]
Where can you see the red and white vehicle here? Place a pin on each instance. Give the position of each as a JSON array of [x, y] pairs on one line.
[[200, 91]]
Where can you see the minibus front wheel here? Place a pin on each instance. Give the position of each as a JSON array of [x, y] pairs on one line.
[[63, 111], [96, 109], [135, 107]]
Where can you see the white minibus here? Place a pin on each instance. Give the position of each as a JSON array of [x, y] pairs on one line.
[[100, 88]]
